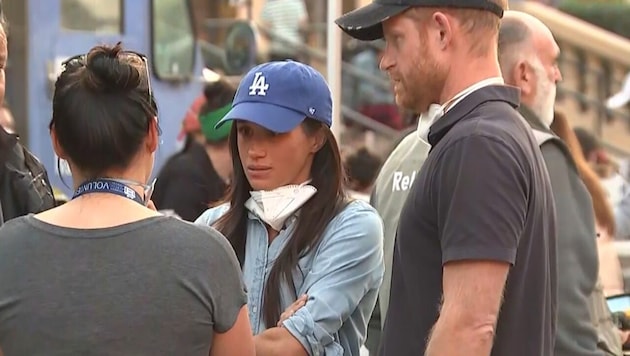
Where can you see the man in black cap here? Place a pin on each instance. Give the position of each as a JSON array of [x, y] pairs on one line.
[[474, 269]]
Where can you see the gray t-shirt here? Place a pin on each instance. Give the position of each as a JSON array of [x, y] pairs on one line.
[[158, 286]]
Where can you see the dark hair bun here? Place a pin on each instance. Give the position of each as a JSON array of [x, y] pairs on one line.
[[108, 69]]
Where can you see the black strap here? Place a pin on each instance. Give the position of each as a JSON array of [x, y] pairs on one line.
[[486, 5]]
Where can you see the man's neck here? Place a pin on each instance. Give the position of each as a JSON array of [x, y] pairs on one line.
[[532, 118], [463, 76]]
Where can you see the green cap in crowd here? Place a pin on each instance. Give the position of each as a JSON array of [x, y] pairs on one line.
[[210, 119]]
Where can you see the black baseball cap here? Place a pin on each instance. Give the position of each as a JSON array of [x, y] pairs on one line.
[[365, 23]]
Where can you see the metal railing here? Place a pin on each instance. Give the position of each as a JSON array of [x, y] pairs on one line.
[[356, 73], [589, 98], [596, 56], [603, 82]]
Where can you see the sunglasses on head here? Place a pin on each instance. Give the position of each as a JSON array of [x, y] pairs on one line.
[[132, 56]]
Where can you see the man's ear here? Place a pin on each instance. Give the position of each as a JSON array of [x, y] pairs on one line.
[[524, 77], [441, 22]]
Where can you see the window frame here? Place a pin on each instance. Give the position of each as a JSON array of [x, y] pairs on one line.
[[187, 77], [121, 22]]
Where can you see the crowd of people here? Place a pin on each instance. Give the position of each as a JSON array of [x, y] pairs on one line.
[[482, 233]]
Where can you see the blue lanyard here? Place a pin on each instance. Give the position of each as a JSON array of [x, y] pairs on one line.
[[108, 186]]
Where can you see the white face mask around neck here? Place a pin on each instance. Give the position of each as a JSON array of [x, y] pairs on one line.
[[275, 206]]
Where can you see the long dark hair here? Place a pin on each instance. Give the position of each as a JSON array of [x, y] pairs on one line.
[[327, 176]]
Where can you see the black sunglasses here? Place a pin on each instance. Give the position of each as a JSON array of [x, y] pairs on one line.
[[80, 59]]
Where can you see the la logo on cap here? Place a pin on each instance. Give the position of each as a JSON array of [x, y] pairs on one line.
[[259, 86]]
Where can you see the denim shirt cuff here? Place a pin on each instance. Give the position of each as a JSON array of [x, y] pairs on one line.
[[314, 338]]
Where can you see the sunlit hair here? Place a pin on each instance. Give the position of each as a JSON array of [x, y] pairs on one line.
[[480, 26]]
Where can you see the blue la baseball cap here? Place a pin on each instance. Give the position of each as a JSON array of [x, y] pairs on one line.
[[280, 95]]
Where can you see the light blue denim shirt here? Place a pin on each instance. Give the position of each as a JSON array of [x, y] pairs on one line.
[[341, 278]]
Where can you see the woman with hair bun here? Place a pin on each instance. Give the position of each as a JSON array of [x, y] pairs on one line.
[[104, 274]]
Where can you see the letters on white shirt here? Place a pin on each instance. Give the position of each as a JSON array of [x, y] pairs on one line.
[[402, 182]]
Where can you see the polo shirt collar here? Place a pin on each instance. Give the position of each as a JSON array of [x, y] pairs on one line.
[[501, 93], [436, 111]]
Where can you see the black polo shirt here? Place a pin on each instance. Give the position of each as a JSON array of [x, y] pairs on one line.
[[483, 193]]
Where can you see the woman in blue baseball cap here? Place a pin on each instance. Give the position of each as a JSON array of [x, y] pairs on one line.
[[311, 257]]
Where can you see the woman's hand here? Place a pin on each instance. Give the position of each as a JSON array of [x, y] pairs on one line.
[[300, 302]]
